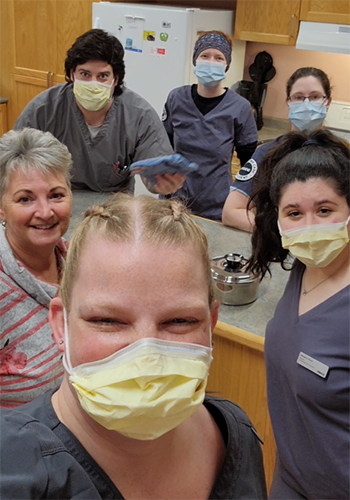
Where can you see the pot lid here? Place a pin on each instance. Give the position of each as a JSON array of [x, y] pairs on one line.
[[231, 268]]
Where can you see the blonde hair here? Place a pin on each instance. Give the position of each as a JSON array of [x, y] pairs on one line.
[[124, 218]]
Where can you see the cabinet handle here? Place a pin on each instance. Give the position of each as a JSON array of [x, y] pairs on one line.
[[292, 24], [49, 79]]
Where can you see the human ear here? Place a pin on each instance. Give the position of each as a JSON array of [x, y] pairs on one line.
[[328, 103], [2, 215], [56, 319]]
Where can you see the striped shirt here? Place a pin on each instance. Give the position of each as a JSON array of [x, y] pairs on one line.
[[30, 362]]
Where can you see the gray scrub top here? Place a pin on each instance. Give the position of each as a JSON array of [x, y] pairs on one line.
[[132, 131]]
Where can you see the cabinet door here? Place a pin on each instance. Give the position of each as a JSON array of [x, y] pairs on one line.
[[34, 39], [73, 19], [270, 21], [3, 119], [43, 32], [325, 11], [24, 89]]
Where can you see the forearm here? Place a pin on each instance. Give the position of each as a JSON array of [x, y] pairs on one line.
[[239, 218]]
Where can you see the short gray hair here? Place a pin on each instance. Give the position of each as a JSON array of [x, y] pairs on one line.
[[30, 149]]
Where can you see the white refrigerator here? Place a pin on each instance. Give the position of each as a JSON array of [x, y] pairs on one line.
[[159, 41]]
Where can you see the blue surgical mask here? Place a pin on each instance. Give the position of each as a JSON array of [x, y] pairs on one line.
[[209, 74], [307, 115]]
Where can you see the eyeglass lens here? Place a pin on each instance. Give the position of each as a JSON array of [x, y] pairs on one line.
[[311, 98]]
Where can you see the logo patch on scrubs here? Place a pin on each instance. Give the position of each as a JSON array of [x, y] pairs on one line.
[[248, 171], [164, 115]]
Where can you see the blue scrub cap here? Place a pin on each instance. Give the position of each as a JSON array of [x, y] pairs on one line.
[[212, 41]]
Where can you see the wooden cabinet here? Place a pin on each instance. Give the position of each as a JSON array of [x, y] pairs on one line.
[[270, 21], [43, 31], [325, 11], [3, 119], [238, 374], [277, 21]]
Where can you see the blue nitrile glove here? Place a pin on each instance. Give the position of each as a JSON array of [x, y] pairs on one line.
[[151, 167]]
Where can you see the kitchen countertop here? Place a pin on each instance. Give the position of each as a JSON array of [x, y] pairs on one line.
[[273, 127], [252, 317]]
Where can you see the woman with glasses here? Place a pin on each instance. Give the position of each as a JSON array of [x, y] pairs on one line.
[[308, 98]]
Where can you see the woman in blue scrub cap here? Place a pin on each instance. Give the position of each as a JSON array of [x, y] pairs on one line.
[[205, 123]]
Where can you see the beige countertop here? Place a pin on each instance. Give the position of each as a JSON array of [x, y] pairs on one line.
[[273, 127], [252, 317]]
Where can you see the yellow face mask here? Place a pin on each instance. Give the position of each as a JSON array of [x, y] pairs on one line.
[[93, 96], [144, 390], [316, 245]]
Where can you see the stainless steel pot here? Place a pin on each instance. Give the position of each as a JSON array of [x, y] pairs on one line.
[[232, 284]]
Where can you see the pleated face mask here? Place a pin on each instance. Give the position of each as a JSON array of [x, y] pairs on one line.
[[92, 95], [209, 74], [144, 390], [307, 115], [316, 245]]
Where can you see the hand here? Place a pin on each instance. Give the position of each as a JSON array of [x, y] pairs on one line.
[[168, 183]]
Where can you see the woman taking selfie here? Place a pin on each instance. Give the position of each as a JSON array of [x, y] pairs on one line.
[[131, 420], [35, 209], [303, 210]]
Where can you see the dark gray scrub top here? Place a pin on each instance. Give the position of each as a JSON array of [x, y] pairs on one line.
[[132, 131]]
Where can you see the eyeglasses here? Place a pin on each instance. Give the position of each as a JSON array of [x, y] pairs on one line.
[[310, 98]]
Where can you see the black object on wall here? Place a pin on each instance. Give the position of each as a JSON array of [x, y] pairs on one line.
[[261, 72]]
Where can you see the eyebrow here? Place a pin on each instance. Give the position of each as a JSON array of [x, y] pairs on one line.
[[319, 202], [106, 71], [29, 191]]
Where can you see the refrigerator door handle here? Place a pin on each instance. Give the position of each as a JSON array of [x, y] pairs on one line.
[[140, 18]]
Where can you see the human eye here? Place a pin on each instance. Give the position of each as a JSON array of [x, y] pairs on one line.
[[182, 321], [84, 74], [24, 200], [106, 323], [324, 211], [297, 98], [316, 98], [294, 214], [181, 325], [58, 195]]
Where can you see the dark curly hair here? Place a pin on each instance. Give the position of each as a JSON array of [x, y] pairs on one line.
[[97, 45], [291, 160]]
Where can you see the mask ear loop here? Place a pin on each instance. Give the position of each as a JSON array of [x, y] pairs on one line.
[[66, 357], [211, 343]]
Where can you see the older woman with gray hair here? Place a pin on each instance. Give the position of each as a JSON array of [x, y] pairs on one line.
[[35, 208]]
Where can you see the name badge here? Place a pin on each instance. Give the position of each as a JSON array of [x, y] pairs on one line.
[[313, 365]]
